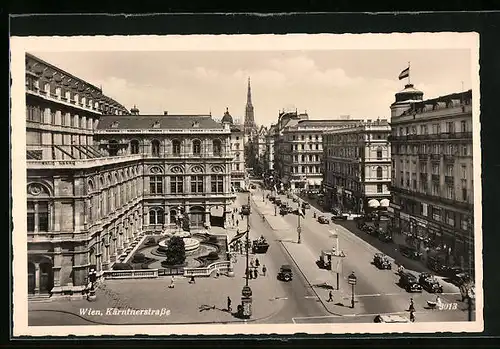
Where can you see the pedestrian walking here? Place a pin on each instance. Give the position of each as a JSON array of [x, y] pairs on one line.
[[264, 269], [172, 280], [217, 274], [330, 296], [237, 222], [257, 263], [252, 262], [255, 273], [229, 304], [412, 316], [412, 306], [232, 216], [192, 281]]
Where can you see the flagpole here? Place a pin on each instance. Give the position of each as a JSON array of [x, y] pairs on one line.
[[409, 82]]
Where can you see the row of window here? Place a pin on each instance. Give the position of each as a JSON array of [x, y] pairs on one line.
[[196, 148], [303, 147], [304, 158], [353, 138], [448, 191], [436, 148], [351, 152], [58, 118], [177, 184], [435, 128], [352, 185], [306, 169], [435, 168], [303, 137]]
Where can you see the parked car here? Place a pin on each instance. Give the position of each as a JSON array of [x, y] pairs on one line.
[[381, 261], [245, 210], [283, 211], [410, 252], [436, 265], [385, 236], [323, 220], [335, 211], [285, 273], [457, 275], [409, 282], [430, 283], [306, 205], [341, 217]]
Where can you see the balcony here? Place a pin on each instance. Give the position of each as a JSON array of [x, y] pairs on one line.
[[435, 178], [449, 158], [423, 157], [377, 179], [61, 100], [466, 205]]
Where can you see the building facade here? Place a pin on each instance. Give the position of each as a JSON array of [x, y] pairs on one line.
[[99, 177], [432, 180], [357, 167], [249, 126], [299, 150], [237, 147]]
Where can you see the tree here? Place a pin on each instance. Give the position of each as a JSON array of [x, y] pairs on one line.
[[185, 223], [176, 252]]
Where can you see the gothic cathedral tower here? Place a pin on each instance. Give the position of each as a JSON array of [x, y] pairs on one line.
[[249, 126]]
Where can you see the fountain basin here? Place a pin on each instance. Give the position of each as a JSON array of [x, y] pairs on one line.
[[190, 244]]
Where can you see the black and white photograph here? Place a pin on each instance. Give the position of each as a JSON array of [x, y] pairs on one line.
[[246, 184]]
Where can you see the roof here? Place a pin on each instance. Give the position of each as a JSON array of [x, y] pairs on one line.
[[227, 117], [156, 121]]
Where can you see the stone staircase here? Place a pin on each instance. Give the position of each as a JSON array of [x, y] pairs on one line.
[[42, 297]]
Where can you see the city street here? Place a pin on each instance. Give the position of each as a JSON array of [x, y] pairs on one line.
[[376, 291]]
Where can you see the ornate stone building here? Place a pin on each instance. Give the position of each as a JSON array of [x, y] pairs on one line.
[[98, 178], [357, 168], [432, 181], [237, 148]]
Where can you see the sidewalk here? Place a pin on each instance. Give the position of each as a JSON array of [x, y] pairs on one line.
[[202, 302]]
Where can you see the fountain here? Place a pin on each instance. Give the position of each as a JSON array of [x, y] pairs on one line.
[[190, 244]]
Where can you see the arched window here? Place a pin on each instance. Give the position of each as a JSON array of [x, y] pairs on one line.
[[134, 147], [155, 148], [196, 147], [113, 148], [217, 147], [379, 172], [176, 147], [156, 216], [379, 153]]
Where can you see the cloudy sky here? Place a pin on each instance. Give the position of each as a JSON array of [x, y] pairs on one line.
[[326, 83]]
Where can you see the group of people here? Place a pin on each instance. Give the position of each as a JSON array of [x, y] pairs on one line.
[[253, 271]]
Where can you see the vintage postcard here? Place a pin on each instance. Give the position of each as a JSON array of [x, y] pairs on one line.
[[246, 184]]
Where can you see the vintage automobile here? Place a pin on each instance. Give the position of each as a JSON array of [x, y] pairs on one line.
[[410, 252], [381, 261], [245, 210], [437, 265], [430, 283], [390, 319], [306, 205], [272, 198], [295, 199], [409, 282], [283, 211], [340, 217], [285, 273], [384, 236], [277, 201], [322, 220], [260, 246]]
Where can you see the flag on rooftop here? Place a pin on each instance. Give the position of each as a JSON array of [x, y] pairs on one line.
[[404, 74]]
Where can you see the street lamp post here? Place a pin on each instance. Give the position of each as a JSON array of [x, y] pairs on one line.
[[352, 279], [246, 292], [299, 229]]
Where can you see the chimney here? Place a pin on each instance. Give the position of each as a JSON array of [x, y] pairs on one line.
[[165, 112]]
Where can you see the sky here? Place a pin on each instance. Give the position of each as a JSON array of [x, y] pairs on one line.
[[325, 83]]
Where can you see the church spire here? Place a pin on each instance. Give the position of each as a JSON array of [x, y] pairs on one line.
[[249, 94]]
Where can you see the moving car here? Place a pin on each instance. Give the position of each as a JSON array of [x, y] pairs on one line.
[[381, 261], [260, 246], [340, 217], [409, 282], [390, 319], [322, 220], [436, 265], [430, 283], [285, 273]]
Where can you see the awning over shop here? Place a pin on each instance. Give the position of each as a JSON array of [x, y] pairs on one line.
[[373, 203], [384, 203]]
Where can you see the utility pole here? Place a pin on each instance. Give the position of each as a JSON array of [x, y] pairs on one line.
[[299, 229], [246, 292]]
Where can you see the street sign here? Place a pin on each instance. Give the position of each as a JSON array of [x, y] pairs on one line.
[[352, 279]]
